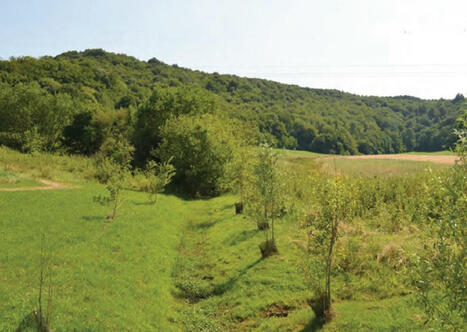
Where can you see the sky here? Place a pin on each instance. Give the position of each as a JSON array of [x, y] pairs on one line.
[[367, 47]]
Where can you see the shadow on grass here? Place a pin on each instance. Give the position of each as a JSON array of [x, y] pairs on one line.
[[315, 324], [93, 218], [197, 289], [228, 207], [147, 203], [226, 286], [29, 323], [242, 236], [176, 191], [208, 224]]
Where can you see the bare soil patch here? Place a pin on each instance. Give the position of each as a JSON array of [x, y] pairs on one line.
[[277, 310]]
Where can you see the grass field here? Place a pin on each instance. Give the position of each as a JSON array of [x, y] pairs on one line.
[[12, 180], [188, 265], [371, 167]]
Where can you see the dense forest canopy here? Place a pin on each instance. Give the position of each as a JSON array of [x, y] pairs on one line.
[[73, 101]]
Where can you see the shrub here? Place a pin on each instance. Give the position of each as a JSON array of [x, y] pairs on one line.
[[337, 206], [440, 274], [267, 196], [202, 148], [113, 165], [164, 106], [158, 176]]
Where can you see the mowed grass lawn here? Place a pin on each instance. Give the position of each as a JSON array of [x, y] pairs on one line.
[[107, 276]]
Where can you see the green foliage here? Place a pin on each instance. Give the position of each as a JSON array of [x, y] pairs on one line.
[[36, 117], [267, 195], [440, 274], [158, 176], [242, 171], [164, 105], [322, 226], [112, 169], [202, 148], [68, 91]]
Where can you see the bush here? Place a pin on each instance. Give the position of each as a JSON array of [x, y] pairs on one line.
[[158, 176], [268, 248], [202, 148], [440, 275], [113, 166], [165, 105]]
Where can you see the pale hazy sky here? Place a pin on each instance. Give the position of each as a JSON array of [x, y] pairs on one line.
[[370, 47]]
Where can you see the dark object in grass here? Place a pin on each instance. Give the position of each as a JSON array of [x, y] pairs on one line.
[[282, 212], [42, 322], [268, 248], [238, 208], [277, 310], [34, 321], [321, 308], [263, 225]]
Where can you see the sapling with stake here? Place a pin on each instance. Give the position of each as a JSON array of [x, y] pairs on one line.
[[323, 233], [267, 196], [158, 176]]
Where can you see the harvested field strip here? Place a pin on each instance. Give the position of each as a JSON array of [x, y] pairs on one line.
[[438, 159]]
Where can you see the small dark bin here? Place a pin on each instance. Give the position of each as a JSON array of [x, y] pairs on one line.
[[238, 208]]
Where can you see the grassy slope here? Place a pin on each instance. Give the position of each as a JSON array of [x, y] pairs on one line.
[[189, 265], [12, 180], [232, 289], [107, 276]]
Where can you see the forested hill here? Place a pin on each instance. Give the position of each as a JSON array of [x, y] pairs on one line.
[[54, 100]]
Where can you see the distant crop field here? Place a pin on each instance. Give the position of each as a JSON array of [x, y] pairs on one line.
[[368, 165], [432, 158], [375, 166]]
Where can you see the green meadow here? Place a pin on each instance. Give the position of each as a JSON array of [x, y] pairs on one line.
[[12, 180], [188, 264]]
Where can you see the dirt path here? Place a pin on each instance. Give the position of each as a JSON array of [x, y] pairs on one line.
[[49, 185], [437, 159]]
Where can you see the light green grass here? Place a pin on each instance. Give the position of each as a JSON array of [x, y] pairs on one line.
[[11, 180], [300, 153], [106, 276], [70, 169]]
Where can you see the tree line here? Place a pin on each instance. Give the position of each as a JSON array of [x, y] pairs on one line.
[[72, 101]]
